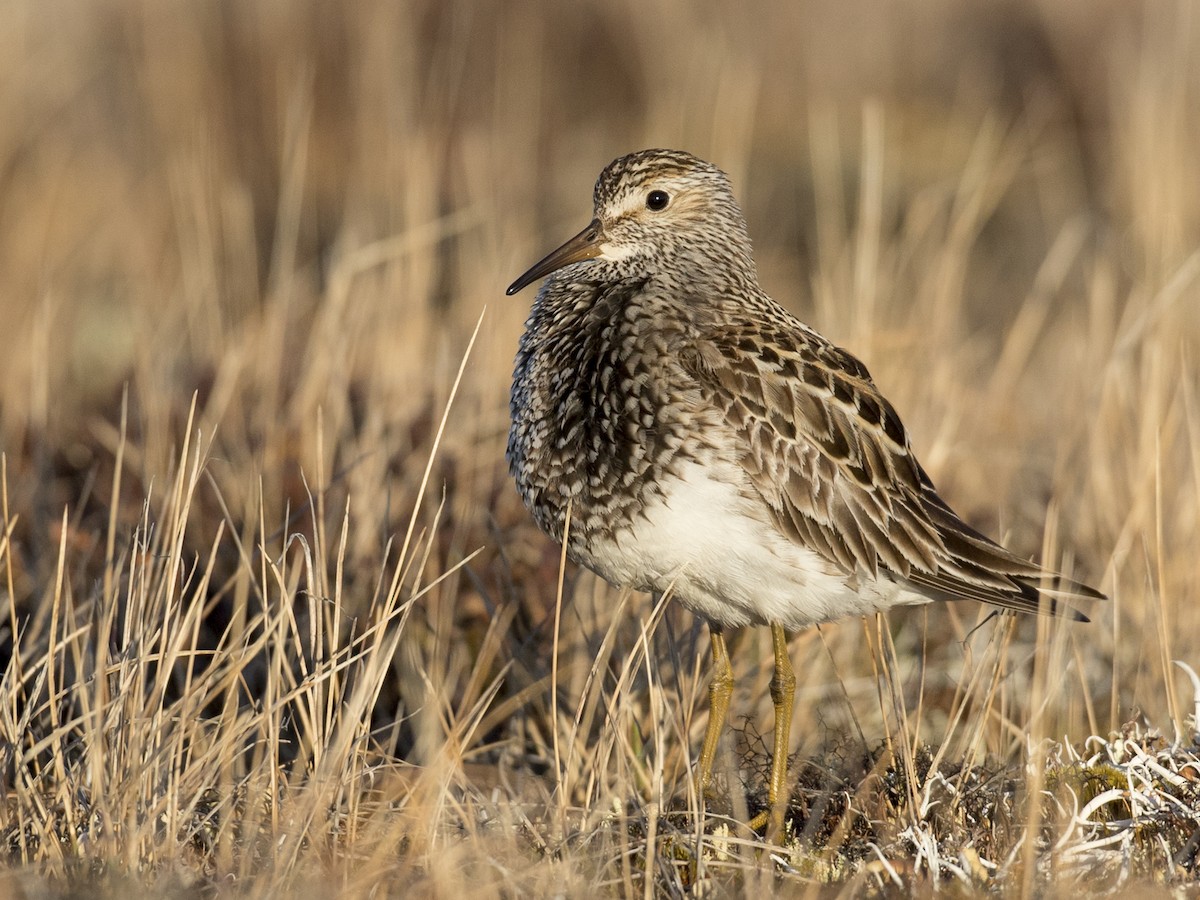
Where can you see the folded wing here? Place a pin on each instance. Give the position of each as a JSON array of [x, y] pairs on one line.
[[831, 459]]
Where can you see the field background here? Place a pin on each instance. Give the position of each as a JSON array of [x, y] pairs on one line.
[[274, 619]]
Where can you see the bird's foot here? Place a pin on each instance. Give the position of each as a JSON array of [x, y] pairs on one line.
[[770, 819]]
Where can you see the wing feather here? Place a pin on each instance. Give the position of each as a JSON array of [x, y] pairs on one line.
[[833, 462]]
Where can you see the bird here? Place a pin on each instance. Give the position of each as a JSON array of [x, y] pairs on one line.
[[684, 432]]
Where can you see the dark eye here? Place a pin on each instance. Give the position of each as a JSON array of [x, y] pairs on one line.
[[657, 200]]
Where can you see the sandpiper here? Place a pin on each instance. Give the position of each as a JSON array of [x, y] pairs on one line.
[[707, 442]]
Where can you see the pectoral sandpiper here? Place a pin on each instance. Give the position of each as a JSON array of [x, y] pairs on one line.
[[708, 442]]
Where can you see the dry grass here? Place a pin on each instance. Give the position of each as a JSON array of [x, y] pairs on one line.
[[274, 620]]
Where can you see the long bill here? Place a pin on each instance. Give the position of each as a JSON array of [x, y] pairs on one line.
[[585, 245]]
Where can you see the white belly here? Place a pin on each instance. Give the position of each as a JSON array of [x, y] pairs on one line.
[[724, 559]]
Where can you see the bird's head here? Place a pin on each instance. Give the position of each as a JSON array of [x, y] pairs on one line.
[[657, 211]]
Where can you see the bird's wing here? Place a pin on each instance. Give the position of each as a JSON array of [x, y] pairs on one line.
[[832, 460]]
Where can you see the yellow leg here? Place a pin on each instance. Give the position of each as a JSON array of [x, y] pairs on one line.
[[783, 695], [719, 690]]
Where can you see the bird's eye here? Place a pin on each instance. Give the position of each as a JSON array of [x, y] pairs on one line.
[[657, 200]]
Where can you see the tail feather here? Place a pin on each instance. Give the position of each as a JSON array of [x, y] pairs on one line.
[[978, 568]]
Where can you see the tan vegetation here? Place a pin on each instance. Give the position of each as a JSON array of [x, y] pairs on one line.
[[274, 620]]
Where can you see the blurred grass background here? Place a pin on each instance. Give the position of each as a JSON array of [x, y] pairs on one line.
[[298, 212]]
